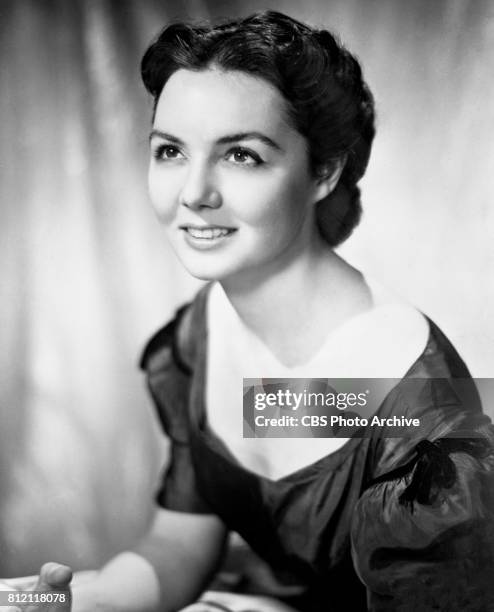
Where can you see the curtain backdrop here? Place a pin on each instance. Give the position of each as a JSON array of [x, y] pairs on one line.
[[86, 274]]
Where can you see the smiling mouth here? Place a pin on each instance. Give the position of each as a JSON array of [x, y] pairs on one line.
[[210, 232]]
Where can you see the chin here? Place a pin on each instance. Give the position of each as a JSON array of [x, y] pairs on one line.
[[204, 276], [205, 272], [217, 266], [205, 265], [215, 271]]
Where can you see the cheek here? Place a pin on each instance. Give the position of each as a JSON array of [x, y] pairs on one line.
[[270, 203]]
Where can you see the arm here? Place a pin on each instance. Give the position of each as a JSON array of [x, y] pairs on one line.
[[424, 540], [166, 571], [169, 569]]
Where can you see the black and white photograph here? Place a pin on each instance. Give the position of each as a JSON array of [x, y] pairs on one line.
[[247, 314]]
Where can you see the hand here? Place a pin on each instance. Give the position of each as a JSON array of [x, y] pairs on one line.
[[53, 578]]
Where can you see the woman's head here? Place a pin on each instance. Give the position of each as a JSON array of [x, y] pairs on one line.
[[325, 98]]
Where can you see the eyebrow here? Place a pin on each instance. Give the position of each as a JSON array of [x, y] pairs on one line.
[[224, 139]]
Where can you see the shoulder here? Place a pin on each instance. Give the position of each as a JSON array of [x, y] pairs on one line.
[[403, 332], [176, 341], [439, 359], [437, 393], [422, 530]]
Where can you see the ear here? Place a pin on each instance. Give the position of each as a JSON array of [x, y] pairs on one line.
[[328, 177]]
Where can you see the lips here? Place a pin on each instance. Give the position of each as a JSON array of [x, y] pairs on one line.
[[207, 232]]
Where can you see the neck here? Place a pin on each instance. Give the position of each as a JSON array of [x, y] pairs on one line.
[[310, 287]]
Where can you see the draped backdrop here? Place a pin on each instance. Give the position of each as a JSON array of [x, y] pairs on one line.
[[86, 274]]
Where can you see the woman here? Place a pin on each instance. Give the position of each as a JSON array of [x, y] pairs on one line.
[[262, 129]]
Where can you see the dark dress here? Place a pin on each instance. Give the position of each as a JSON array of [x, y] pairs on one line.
[[383, 523]]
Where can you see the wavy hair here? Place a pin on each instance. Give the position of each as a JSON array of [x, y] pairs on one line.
[[327, 99]]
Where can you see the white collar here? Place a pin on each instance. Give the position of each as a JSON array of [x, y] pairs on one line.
[[382, 342]]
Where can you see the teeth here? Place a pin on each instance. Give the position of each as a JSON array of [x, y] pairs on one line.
[[208, 233]]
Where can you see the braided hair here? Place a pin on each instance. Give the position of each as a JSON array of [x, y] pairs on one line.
[[328, 101]]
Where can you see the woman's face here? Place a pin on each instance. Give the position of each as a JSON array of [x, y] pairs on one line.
[[229, 177]]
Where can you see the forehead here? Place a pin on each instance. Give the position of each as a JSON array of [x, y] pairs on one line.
[[215, 102]]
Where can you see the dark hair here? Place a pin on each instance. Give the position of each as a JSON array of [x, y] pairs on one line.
[[327, 99]]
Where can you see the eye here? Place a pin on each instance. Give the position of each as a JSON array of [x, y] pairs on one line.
[[164, 152], [243, 157]]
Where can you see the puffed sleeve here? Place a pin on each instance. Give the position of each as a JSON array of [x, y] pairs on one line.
[[423, 534], [169, 379]]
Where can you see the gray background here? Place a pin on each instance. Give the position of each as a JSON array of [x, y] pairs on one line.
[[86, 274]]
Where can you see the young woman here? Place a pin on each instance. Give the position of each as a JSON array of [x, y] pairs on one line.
[[262, 129]]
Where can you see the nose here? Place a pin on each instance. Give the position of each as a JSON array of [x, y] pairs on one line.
[[199, 190]]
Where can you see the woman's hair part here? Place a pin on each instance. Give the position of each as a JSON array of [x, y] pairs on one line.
[[327, 100]]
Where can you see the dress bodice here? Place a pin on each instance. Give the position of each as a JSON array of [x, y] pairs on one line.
[[359, 524]]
